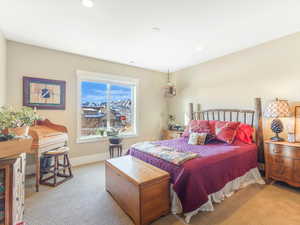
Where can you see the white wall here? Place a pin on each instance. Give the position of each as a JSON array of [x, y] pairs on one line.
[[268, 71], [2, 69], [26, 60]]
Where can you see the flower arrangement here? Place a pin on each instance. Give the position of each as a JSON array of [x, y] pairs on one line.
[[113, 132], [12, 118], [100, 131], [171, 121], [113, 135], [28, 116]]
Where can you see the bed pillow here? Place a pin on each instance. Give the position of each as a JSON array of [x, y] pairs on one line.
[[197, 138], [209, 138], [212, 125], [226, 131], [197, 126], [245, 133]]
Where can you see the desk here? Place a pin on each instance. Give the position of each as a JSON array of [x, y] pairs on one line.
[[46, 136], [15, 147]]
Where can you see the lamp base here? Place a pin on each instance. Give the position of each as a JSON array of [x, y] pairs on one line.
[[277, 138], [277, 127]]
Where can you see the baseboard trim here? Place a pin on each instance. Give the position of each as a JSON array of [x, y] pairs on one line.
[[75, 161], [82, 160]]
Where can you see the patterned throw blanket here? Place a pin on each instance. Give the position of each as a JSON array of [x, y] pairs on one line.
[[165, 153]]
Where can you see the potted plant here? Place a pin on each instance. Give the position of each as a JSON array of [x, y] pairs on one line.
[[17, 122], [100, 131], [171, 121], [114, 137]]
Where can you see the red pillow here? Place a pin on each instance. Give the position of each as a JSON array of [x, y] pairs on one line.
[[197, 126], [244, 133], [212, 124], [226, 131]]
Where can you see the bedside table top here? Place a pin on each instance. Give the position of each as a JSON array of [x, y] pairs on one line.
[[296, 144], [175, 131]]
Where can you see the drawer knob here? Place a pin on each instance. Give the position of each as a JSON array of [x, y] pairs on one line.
[[276, 150]]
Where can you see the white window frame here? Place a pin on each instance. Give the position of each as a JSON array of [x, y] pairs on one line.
[[110, 79]]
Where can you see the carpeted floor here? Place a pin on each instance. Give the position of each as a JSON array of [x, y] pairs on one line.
[[84, 201]]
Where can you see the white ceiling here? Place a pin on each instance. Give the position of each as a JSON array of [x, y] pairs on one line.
[[121, 30]]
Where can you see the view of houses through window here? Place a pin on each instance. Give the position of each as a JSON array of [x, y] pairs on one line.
[[107, 107]]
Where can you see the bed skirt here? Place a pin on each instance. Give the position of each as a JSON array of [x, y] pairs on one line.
[[251, 177]]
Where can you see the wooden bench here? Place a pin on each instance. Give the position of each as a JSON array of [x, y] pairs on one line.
[[140, 189]]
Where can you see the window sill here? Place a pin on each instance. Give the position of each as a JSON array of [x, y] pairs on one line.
[[100, 139]]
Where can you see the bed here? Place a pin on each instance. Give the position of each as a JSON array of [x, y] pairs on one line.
[[218, 171]]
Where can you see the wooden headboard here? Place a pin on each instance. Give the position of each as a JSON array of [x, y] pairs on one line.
[[251, 117]]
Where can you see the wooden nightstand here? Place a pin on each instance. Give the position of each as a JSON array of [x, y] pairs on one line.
[[283, 162], [171, 134]]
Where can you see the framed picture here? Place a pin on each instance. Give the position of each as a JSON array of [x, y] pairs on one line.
[[44, 93], [297, 123]]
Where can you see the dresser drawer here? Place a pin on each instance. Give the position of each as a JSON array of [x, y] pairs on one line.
[[296, 171], [283, 162], [281, 167], [286, 151]]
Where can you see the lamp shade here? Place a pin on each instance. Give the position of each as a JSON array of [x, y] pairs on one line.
[[277, 108]]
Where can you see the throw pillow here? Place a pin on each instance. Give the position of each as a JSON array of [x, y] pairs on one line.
[[226, 131], [244, 133], [197, 126], [197, 138]]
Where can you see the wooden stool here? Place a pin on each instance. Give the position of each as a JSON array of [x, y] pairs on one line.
[[57, 167], [113, 147]]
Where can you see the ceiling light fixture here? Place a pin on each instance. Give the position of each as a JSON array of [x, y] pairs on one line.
[[156, 29], [87, 3], [199, 48]]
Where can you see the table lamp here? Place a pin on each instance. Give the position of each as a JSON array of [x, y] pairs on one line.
[[277, 109]]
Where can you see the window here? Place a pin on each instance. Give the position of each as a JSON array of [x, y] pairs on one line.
[[106, 104]]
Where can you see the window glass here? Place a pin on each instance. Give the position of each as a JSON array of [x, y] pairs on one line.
[[121, 108], [93, 108], [106, 107]]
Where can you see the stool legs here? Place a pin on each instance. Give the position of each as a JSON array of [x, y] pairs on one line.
[[121, 150], [55, 171], [64, 170], [37, 171], [117, 148], [69, 165]]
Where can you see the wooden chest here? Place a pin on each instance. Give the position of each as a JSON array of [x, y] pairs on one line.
[[140, 189], [283, 162]]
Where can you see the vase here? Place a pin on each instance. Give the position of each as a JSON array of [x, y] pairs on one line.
[[18, 131], [291, 138], [115, 140]]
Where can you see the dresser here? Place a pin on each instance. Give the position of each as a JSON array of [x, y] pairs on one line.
[[171, 134], [12, 180], [283, 162]]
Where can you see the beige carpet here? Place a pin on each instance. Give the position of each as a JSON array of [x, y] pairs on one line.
[[84, 201]]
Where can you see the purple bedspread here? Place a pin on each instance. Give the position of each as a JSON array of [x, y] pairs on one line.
[[218, 163]]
